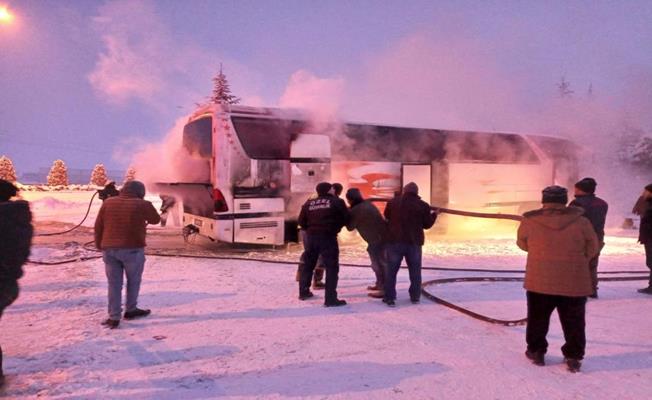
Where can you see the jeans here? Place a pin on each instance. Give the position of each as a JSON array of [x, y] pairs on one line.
[[571, 310], [378, 258], [395, 254], [325, 246], [117, 263]]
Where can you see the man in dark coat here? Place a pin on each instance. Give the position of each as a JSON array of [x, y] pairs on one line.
[[15, 240], [407, 217], [645, 235], [371, 225], [559, 243], [322, 218], [595, 210]]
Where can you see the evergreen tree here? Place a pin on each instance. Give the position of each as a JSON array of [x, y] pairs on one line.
[[58, 175], [222, 90], [98, 176], [130, 175], [7, 170]]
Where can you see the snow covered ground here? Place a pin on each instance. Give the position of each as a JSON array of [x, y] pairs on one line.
[[235, 329]]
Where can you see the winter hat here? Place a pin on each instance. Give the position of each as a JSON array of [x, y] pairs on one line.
[[555, 194], [323, 188], [411, 188], [7, 190], [137, 188], [354, 196], [587, 185]]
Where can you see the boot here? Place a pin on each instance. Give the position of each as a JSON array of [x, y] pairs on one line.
[[111, 323], [647, 290], [335, 303], [573, 364], [137, 313], [537, 357], [306, 295]]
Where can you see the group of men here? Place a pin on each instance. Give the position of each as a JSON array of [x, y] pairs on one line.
[[389, 240], [563, 245]]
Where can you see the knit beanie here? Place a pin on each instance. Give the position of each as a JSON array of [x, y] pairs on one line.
[[554, 194]]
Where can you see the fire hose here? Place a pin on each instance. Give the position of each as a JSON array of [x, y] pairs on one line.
[[426, 294]]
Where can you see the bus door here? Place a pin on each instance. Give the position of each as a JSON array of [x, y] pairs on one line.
[[421, 174]]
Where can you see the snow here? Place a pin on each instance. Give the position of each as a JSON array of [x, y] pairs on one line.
[[235, 329]]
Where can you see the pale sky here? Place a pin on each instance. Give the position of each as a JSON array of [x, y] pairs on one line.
[[89, 81]]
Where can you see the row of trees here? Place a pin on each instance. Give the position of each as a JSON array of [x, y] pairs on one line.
[[58, 175]]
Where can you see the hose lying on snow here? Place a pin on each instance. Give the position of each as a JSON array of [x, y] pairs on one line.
[[491, 320]]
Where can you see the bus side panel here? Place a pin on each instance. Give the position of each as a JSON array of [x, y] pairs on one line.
[[503, 187]]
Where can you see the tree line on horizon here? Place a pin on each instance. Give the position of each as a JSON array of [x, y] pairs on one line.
[[58, 175]]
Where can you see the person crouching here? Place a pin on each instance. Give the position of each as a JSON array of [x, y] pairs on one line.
[[120, 230], [371, 225], [560, 243]]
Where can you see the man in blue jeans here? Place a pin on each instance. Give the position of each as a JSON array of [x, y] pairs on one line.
[[120, 230], [407, 217]]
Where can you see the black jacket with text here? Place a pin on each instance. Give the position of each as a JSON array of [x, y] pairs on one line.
[[325, 215]]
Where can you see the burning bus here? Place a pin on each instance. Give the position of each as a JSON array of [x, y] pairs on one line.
[[258, 165]]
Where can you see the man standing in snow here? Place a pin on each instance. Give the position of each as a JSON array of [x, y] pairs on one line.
[[595, 210], [645, 235], [120, 230], [560, 243], [371, 225], [407, 217], [322, 218], [15, 241]]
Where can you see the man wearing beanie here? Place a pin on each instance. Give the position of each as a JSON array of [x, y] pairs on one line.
[[371, 225], [15, 241], [322, 218], [595, 210], [645, 235], [560, 242], [407, 217], [120, 230]]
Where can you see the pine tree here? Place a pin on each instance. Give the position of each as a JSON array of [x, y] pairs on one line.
[[58, 175], [130, 175], [7, 170], [98, 176], [222, 90]]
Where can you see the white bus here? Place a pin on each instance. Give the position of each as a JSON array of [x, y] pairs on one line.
[[260, 164]]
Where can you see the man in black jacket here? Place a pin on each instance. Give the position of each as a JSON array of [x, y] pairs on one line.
[[322, 218], [15, 240], [595, 210], [645, 235], [408, 216]]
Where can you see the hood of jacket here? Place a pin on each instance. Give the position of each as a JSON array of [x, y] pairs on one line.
[[554, 216]]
